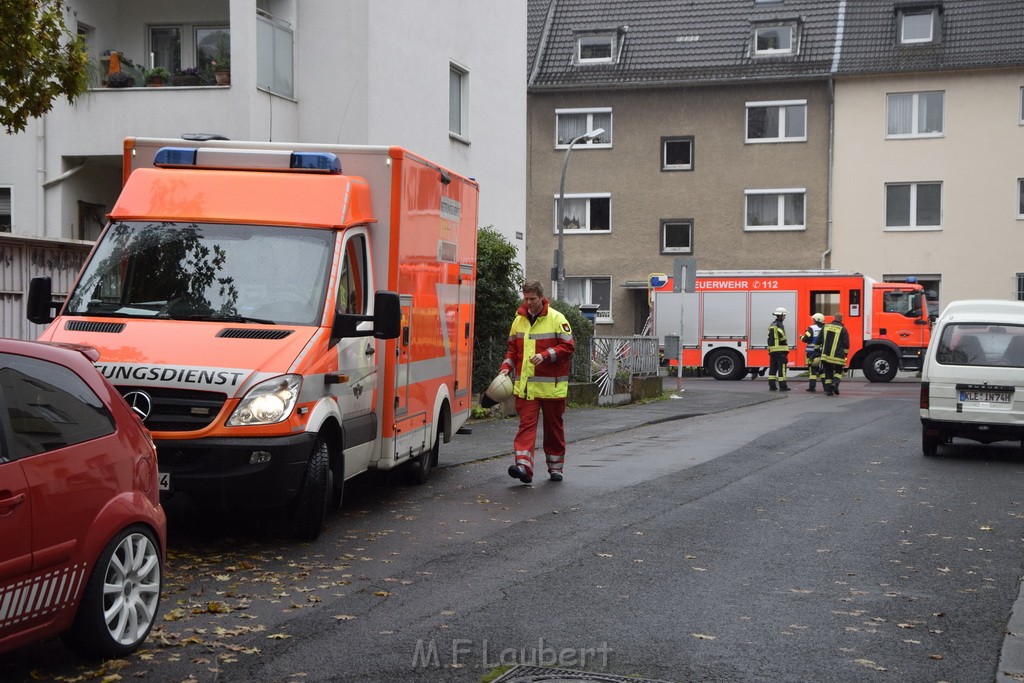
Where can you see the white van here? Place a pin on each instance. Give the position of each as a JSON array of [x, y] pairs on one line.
[[972, 384]]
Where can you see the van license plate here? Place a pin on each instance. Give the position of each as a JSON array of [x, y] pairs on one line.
[[165, 481], [984, 396]]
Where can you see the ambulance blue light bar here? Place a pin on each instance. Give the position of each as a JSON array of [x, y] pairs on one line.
[[247, 159]]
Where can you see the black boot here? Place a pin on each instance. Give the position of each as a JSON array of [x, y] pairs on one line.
[[835, 388], [783, 386], [772, 386], [811, 385]]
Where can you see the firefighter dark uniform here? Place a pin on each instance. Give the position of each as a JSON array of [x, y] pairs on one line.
[[812, 338], [778, 352], [835, 345], [540, 389]]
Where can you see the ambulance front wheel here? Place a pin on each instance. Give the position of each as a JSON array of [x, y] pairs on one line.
[[725, 364], [880, 366], [309, 507]]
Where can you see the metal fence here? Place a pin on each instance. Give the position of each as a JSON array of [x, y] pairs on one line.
[[611, 362]]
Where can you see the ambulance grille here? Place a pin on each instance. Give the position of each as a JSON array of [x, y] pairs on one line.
[[178, 410], [232, 333], [86, 326]]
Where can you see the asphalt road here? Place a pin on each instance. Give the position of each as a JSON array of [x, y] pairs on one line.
[[794, 539]]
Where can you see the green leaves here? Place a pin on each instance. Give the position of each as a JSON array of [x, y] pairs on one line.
[[40, 60]]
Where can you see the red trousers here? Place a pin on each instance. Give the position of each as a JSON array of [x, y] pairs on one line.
[[554, 432]]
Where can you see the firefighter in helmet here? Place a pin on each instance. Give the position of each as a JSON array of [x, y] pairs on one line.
[[778, 352], [835, 345], [812, 338]]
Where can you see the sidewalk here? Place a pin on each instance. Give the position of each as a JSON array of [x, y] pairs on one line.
[[493, 437]]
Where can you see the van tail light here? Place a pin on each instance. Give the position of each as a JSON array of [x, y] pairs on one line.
[[924, 395]]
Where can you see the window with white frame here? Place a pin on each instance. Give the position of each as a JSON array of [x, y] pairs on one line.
[[913, 206], [595, 48], [6, 219], [1020, 199], [677, 236], [772, 41], [458, 101], [915, 114], [213, 45], [591, 290], [677, 153], [775, 209], [917, 25], [1020, 286], [586, 213], [165, 47], [572, 123], [275, 55], [784, 121]]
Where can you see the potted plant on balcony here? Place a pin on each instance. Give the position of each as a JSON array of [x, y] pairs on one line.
[[119, 79], [187, 76], [221, 69], [157, 77]]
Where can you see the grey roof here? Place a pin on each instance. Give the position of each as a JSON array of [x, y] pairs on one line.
[[973, 34], [690, 42]]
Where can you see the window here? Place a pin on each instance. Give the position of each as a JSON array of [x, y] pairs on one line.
[[275, 56], [774, 40], [586, 213], [1021, 118], [677, 154], [213, 47], [677, 236], [917, 26], [591, 290], [913, 206], [49, 406], [914, 114], [595, 49], [572, 123], [458, 101], [352, 281], [1020, 201], [981, 344], [775, 209], [6, 212], [777, 121], [165, 47], [1020, 286]]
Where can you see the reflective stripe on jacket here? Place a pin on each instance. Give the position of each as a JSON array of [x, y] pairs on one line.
[[551, 336], [812, 337], [835, 343], [777, 338]]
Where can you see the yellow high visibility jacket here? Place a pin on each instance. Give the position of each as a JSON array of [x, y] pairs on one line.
[[549, 335], [777, 338]]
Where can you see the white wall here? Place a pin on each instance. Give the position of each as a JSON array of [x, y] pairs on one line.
[[978, 160]]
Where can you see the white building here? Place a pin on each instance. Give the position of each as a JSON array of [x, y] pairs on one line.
[[445, 79]]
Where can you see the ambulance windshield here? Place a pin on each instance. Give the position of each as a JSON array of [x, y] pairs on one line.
[[207, 271]]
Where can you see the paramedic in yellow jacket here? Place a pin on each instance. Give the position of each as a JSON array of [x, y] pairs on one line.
[[540, 349]]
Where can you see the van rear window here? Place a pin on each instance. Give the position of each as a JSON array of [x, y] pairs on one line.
[[981, 345]]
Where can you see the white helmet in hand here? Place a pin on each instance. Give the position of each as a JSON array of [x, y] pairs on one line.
[[499, 390]]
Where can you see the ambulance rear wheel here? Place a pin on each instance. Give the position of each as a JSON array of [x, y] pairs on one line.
[[309, 507], [419, 468], [724, 364], [879, 366]]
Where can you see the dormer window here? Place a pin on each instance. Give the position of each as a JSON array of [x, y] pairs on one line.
[[595, 48], [775, 40], [918, 25]]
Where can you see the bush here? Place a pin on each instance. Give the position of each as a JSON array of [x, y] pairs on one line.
[[498, 295], [582, 332]]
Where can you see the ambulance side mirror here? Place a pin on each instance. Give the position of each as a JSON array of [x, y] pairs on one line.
[[41, 308], [386, 319]]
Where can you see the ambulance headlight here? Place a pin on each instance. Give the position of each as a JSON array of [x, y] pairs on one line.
[[267, 402]]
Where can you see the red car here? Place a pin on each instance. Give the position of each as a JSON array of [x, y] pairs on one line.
[[82, 532]]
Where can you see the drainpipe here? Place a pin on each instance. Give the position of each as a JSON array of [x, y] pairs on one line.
[[836, 53], [41, 176]]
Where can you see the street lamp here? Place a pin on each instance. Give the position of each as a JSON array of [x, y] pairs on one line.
[[559, 269]]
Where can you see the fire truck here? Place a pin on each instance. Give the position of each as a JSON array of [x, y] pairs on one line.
[[282, 316], [722, 325]]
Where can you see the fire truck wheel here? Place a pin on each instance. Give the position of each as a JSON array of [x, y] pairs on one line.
[[419, 468], [724, 364], [880, 366], [930, 444], [308, 509]]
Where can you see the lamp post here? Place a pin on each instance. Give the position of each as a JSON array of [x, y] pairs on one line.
[[559, 269]]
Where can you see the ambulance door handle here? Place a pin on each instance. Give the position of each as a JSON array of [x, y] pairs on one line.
[[370, 350]]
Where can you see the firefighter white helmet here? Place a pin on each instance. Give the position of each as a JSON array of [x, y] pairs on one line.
[[780, 311], [500, 388], [818, 318]]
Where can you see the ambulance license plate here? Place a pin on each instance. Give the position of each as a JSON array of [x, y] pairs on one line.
[[165, 481], [980, 396]]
